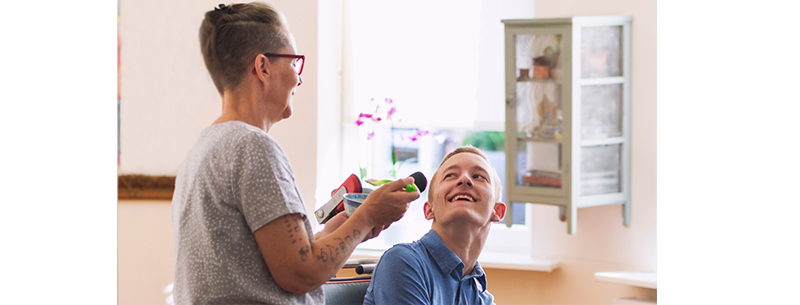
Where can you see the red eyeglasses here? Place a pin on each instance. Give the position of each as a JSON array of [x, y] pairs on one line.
[[300, 60]]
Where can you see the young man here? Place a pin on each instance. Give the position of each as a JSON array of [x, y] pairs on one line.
[[441, 267]]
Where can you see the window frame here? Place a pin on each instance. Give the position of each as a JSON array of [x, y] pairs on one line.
[[516, 239]]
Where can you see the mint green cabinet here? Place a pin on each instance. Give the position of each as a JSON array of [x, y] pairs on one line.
[[567, 133]]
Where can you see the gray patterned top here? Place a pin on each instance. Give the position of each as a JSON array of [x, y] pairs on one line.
[[235, 179]]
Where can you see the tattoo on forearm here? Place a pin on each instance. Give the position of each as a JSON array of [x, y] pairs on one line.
[[342, 246], [334, 252], [304, 253], [323, 256]]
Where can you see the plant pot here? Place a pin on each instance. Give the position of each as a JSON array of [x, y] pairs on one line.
[[541, 71]]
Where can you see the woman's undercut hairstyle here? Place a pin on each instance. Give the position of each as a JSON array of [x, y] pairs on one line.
[[232, 35], [497, 186]]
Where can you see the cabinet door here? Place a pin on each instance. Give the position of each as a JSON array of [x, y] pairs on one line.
[[539, 123]]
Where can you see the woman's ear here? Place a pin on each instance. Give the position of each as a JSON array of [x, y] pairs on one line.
[[261, 64], [499, 211], [428, 210]]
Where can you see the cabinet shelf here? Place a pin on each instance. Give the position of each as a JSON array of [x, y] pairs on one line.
[[603, 80], [539, 80], [604, 141], [538, 139]]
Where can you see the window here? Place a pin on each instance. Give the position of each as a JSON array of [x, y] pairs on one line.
[[442, 64]]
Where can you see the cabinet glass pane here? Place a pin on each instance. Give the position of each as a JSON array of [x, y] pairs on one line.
[[601, 112], [600, 51], [600, 169], [539, 110]]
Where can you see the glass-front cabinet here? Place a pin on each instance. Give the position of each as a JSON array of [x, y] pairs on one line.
[[567, 134]]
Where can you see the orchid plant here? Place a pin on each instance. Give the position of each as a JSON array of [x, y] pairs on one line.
[[385, 110]]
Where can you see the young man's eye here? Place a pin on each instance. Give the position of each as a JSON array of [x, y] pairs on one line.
[[478, 177]]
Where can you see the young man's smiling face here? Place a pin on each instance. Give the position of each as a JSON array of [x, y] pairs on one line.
[[463, 190]]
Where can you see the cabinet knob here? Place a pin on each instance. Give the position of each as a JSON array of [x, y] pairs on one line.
[[510, 102]]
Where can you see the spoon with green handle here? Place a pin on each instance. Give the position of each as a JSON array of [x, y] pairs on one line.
[[420, 182]]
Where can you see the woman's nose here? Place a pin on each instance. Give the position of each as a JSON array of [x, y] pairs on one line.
[[299, 80]]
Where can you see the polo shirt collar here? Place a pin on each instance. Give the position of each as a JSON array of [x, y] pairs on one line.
[[477, 272], [447, 261]]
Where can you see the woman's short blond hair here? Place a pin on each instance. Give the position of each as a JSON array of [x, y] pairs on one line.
[[231, 36], [495, 179]]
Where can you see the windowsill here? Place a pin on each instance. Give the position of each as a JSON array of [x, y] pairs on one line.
[[516, 262], [487, 260], [638, 279]]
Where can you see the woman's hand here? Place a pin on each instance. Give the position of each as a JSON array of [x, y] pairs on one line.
[[387, 204], [331, 225]]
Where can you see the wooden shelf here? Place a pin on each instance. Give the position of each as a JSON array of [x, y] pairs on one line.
[[638, 279]]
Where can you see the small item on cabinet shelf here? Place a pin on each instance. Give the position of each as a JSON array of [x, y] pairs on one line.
[[547, 132], [541, 67], [548, 112], [524, 74], [548, 52], [542, 178], [549, 120], [541, 181]]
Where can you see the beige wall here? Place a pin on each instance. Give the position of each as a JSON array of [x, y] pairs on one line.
[[144, 251], [167, 98]]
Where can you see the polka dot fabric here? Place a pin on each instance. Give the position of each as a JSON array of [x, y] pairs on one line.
[[235, 179]]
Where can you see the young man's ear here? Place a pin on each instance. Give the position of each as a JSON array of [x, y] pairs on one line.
[[499, 211], [428, 210]]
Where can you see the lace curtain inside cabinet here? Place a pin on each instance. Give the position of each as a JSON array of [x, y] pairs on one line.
[[533, 50]]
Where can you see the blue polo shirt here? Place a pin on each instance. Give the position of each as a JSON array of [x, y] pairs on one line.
[[426, 272]]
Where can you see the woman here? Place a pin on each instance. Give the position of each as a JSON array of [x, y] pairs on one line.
[[241, 230]]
